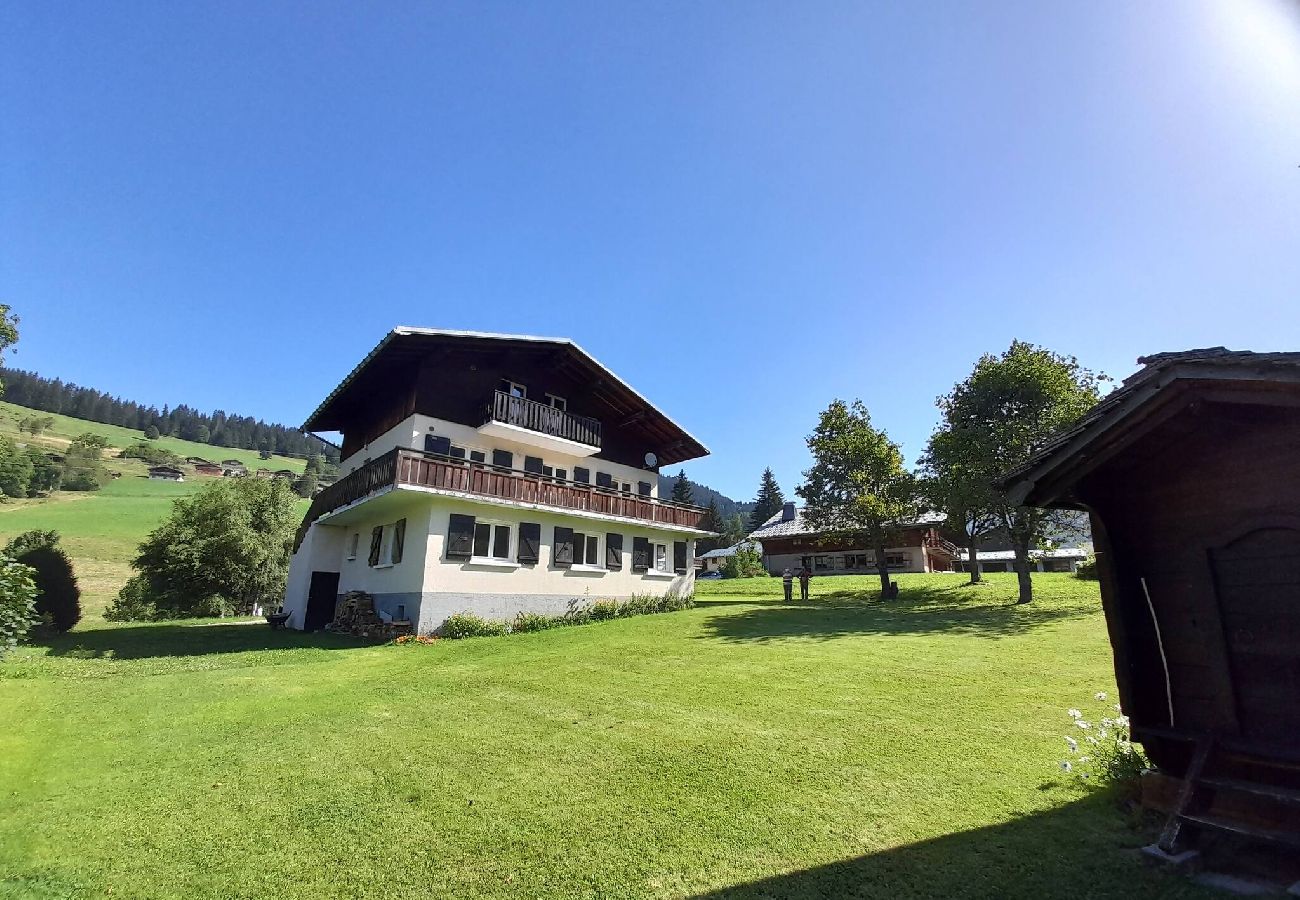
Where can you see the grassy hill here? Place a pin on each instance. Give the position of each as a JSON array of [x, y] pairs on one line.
[[738, 751], [101, 529]]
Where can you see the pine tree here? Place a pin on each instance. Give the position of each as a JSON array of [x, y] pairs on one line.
[[768, 502], [682, 489], [712, 521], [151, 433]]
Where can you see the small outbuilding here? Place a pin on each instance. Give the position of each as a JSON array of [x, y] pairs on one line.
[[166, 473], [1190, 472], [207, 468]]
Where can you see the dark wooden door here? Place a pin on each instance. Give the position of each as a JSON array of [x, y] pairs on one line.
[[321, 598], [1257, 582]]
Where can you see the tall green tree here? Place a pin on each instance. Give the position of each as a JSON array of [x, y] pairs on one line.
[[712, 521], [958, 482], [8, 332], [734, 530], [857, 484], [222, 550], [83, 468], [16, 469], [768, 502], [1000, 416], [682, 489], [151, 432]]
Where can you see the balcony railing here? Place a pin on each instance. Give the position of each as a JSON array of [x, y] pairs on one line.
[[445, 473], [543, 418]]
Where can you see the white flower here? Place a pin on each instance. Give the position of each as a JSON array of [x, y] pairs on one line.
[[1118, 708], [1105, 722], [1083, 775], [1100, 695], [1082, 724], [1122, 721], [1066, 766], [1074, 745], [1074, 714], [1092, 740], [1102, 733], [1084, 759]]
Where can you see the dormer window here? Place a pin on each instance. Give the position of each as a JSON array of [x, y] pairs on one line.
[[513, 388]]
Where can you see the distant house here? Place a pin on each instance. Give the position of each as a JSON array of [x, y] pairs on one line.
[[207, 468], [263, 473], [166, 473], [715, 559], [789, 541], [1064, 559], [233, 468], [284, 473], [198, 461]]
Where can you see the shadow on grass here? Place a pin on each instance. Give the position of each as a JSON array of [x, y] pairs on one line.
[[144, 641], [1080, 849], [848, 613]]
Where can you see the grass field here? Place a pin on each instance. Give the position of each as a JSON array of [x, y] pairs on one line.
[[102, 529], [743, 749]]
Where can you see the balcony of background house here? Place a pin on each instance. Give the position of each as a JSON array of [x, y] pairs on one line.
[[403, 468], [540, 425]]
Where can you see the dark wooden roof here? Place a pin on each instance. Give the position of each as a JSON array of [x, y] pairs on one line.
[[402, 349], [1046, 479]]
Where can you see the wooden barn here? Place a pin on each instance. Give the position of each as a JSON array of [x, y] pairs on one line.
[[1190, 472]]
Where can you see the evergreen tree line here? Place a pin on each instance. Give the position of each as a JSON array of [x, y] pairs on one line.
[[218, 428]]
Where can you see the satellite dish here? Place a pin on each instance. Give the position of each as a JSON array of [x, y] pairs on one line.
[[651, 460]]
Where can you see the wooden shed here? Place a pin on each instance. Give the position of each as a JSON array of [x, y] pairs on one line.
[[1190, 472]]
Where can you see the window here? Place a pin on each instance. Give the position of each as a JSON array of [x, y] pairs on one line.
[[557, 402], [491, 540], [822, 563], [387, 543], [661, 557], [643, 488], [581, 475], [896, 560], [513, 388], [561, 475], [353, 543], [586, 550], [477, 456], [503, 459]]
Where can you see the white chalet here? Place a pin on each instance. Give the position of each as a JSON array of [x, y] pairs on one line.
[[492, 474]]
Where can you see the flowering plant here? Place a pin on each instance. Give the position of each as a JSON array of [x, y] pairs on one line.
[[415, 639], [1103, 752]]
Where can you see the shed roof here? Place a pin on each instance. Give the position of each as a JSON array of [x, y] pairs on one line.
[[1045, 478], [407, 341], [775, 527], [724, 552]]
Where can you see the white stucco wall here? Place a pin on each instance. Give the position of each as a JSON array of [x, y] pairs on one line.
[[320, 551], [916, 561], [411, 431]]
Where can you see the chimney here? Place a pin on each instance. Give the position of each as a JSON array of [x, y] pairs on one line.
[[787, 513]]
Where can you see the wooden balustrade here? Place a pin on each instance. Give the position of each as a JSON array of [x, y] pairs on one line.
[[543, 418], [410, 467]]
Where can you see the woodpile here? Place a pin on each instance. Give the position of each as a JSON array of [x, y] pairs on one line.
[[355, 614]]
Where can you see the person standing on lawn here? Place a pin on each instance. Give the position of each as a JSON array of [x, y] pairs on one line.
[[805, 576], [787, 582]]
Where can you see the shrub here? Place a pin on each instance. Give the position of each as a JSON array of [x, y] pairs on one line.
[[1103, 751], [133, 603], [602, 610], [58, 601], [17, 603], [744, 563], [83, 468], [1087, 570], [152, 454], [526, 621], [465, 625]]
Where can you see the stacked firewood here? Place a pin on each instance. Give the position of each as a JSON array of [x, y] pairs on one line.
[[355, 614]]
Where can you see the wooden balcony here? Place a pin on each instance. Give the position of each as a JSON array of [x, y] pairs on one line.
[[543, 419], [443, 473]]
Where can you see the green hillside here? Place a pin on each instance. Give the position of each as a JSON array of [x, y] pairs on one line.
[[102, 529]]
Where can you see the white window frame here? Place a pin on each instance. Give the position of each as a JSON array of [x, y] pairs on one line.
[[661, 561], [512, 386], [557, 402], [386, 546], [587, 565], [354, 542], [512, 544]]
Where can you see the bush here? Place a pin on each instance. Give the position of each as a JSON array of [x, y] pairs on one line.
[[1102, 751], [744, 563], [1087, 570], [465, 625], [133, 603], [58, 602], [17, 603], [83, 468], [527, 621], [151, 454], [602, 610]]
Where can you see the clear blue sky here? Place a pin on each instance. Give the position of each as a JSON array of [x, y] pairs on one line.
[[745, 209]]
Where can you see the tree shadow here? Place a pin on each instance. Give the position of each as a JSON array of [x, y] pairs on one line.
[[146, 641], [1080, 849], [841, 614]]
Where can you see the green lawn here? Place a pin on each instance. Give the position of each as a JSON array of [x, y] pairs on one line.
[[742, 749]]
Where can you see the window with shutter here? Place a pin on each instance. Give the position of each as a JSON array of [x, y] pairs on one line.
[[434, 443], [579, 548], [679, 557], [562, 549], [530, 542], [503, 459], [533, 464], [613, 551], [643, 488], [581, 475], [640, 554], [399, 541], [604, 479], [477, 456], [460, 537], [376, 539]]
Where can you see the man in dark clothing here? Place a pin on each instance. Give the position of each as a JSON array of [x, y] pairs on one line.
[[805, 576], [787, 582]]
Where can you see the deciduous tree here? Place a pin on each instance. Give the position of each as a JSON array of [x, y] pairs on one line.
[[58, 599]]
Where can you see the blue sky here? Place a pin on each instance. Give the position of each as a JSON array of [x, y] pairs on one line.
[[745, 209]]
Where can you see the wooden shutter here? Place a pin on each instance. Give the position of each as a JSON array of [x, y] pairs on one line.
[[640, 554], [376, 540], [679, 557], [533, 464], [580, 549], [604, 479], [613, 551], [460, 537], [643, 488], [562, 550], [581, 475], [399, 540], [434, 443], [530, 542], [503, 459]]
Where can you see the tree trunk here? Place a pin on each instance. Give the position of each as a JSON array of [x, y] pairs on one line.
[[886, 590], [1021, 545], [973, 563]]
